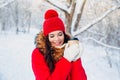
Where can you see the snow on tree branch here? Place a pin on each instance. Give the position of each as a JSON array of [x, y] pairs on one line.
[[60, 6], [95, 21], [103, 44], [5, 4], [77, 15]]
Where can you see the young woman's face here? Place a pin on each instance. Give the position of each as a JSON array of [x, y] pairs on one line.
[[56, 38]]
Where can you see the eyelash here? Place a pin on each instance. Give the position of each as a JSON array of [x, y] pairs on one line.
[[52, 36], [60, 34]]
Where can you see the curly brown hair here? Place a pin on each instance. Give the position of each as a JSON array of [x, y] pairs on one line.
[[48, 56]]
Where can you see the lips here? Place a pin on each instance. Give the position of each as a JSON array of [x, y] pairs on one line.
[[57, 43]]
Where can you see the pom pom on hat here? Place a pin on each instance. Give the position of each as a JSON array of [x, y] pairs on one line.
[[50, 14], [52, 22]]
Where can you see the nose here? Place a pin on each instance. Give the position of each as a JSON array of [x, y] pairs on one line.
[[56, 38]]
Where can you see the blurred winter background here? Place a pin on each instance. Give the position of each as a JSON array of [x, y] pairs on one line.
[[95, 22]]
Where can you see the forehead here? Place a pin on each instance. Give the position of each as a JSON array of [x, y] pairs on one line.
[[56, 32]]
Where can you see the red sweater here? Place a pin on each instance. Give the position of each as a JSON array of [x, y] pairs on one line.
[[64, 70]]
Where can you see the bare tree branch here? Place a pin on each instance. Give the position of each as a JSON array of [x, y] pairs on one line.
[[7, 3], [61, 7], [103, 44], [95, 21]]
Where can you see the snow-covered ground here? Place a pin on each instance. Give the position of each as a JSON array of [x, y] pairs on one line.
[[15, 59], [15, 56], [98, 65]]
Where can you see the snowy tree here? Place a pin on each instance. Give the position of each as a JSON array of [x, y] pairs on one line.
[[5, 14], [15, 14]]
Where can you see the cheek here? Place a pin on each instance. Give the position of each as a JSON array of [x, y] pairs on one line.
[[62, 39], [51, 40]]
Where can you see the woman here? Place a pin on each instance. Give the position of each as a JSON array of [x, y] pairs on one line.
[[69, 66]]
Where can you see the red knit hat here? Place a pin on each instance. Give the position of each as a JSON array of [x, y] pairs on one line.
[[52, 22]]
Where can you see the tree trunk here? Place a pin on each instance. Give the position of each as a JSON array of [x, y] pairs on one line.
[[69, 17]]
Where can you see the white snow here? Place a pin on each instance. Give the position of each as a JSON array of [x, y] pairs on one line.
[[97, 65], [15, 59], [15, 56]]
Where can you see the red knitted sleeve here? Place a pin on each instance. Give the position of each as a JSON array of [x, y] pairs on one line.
[[78, 72]]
